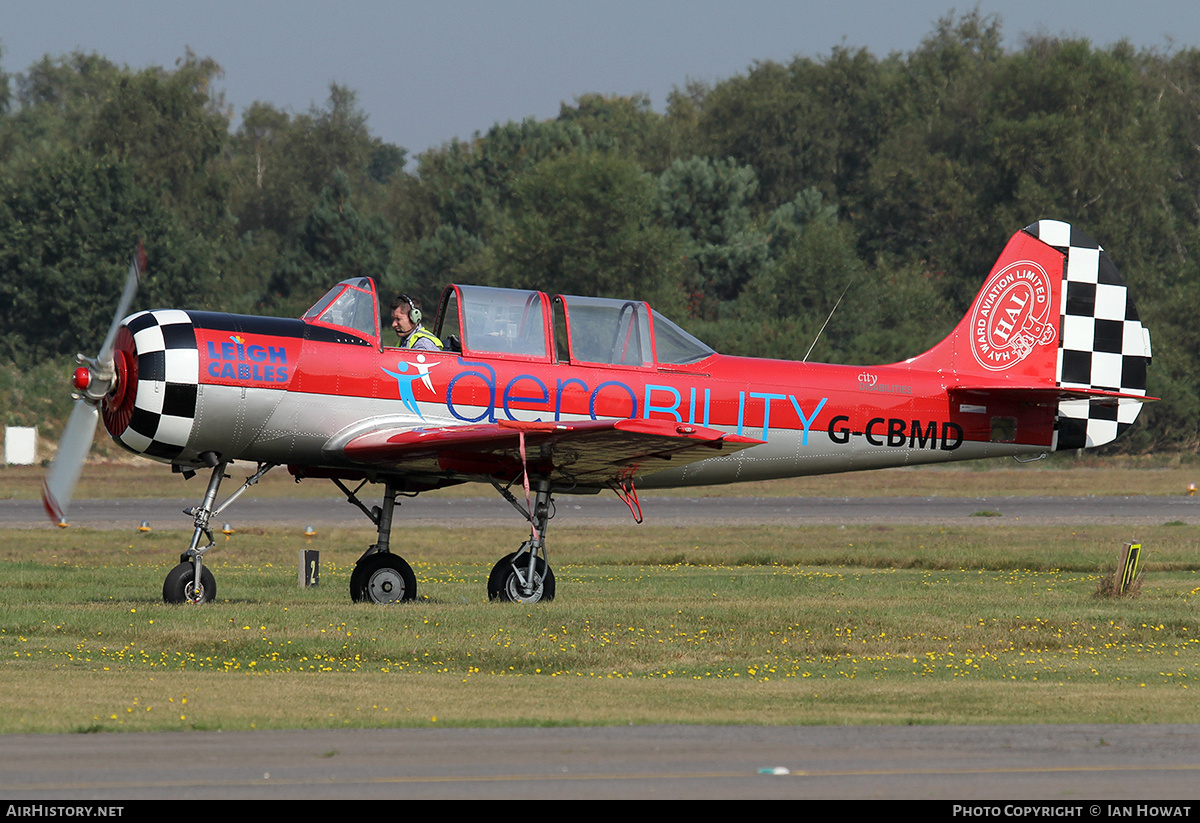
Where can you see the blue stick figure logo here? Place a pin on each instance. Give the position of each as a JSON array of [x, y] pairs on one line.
[[404, 381]]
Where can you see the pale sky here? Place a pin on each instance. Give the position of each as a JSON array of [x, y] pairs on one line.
[[426, 72]]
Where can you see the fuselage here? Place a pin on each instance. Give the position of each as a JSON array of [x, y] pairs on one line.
[[1051, 355], [288, 392]]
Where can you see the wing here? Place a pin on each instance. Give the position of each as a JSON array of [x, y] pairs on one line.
[[588, 453]]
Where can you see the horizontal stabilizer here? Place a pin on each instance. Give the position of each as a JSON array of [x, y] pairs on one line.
[[1085, 417], [1043, 396]]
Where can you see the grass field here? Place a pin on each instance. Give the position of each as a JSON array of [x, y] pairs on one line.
[[768, 625]]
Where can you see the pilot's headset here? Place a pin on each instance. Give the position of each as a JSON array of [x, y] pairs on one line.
[[414, 314]]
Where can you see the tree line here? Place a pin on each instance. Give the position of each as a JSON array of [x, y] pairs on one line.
[[746, 211]]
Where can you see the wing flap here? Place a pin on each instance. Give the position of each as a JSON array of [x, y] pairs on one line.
[[585, 453]]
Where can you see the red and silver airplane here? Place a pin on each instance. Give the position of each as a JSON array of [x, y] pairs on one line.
[[571, 395]]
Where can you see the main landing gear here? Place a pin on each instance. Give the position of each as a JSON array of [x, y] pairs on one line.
[[524, 576], [380, 576]]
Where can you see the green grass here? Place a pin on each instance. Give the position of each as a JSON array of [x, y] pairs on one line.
[[771, 625]]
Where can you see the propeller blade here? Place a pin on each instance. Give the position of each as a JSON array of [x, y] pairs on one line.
[[92, 382], [73, 448], [132, 280]]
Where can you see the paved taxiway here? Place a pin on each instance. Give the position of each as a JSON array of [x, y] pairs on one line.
[[606, 508], [1074, 764]]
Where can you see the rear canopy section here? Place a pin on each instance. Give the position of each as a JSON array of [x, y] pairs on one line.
[[527, 325]]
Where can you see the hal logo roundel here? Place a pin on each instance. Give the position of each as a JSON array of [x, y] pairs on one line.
[[1012, 316]]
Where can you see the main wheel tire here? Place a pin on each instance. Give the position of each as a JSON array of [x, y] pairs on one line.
[[179, 587], [504, 584], [382, 578]]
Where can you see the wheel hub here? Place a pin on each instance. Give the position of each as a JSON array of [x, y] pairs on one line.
[[385, 586], [525, 594]]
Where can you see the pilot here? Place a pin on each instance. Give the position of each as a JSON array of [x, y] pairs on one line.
[[406, 320]]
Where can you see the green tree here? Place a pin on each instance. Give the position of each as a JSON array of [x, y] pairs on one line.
[[169, 126], [5, 92], [57, 100], [587, 224], [708, 203], [627, 124], [310, 197], [281, 163], [808, 124], [69, 223], [471, 183], [336, 243], [465, 195], [265, 194]]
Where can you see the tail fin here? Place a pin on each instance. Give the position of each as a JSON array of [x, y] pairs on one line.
[[1053, 324]]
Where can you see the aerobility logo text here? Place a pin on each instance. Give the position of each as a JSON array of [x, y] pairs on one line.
[[475, 394], [1013, 316], [235, 360]]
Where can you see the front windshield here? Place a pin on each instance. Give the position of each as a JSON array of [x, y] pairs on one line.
[[674, 345], [350, 304]]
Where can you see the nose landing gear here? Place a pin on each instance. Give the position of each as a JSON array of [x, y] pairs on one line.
[[180, 585]]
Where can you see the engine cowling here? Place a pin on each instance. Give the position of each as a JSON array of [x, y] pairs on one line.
[[152, 407]]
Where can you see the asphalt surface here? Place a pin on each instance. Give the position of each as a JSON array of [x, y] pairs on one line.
[[1076, 765], [606, 508]]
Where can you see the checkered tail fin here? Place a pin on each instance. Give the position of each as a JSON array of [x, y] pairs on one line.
[[1103, 348]]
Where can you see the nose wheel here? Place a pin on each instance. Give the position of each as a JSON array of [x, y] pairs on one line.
[[180, 585]]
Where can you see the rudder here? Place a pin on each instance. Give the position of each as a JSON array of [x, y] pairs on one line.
[[1103, 345]]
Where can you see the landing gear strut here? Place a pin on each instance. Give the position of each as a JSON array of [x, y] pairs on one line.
[[380, 576], [525, 575], [190, 581]]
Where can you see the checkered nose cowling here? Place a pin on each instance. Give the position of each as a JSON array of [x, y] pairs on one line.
[[1103, 344], [153, 407]]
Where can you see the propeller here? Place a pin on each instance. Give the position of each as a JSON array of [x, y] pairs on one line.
[[93, 380]]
